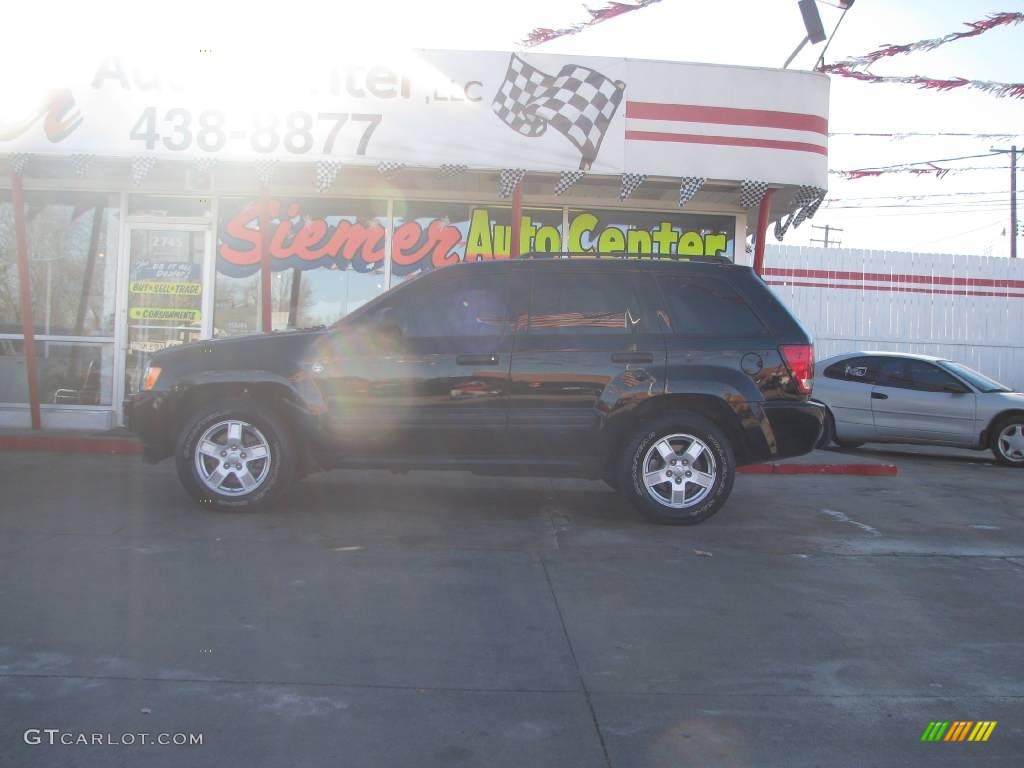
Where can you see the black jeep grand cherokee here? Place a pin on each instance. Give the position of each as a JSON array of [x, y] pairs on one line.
[[659, 377]]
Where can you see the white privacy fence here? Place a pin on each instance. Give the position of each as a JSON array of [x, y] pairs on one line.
[[966, 308]]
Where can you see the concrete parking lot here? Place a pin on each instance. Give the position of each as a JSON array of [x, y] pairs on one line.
[[373, 620]]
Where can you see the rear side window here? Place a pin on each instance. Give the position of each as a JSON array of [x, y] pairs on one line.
[[707, 306], [860, 369], [582, 303]]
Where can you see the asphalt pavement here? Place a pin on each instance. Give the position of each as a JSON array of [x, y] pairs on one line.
[[377, 620]]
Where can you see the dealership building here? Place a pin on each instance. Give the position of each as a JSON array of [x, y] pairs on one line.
[[142, 208]]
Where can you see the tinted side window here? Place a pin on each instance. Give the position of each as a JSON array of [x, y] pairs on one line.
[[892, 372], [860, 369], [929, 378], [584, 303], [707, 306], [453, 305]]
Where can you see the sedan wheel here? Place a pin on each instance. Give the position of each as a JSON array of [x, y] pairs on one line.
[[1008, 443]]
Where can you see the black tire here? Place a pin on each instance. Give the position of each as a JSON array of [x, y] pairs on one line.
[[828, 431], [282, 465], [830, 428], [644, 440], [998, 447]]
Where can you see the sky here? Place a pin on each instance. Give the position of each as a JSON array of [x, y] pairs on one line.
[[961, 213]]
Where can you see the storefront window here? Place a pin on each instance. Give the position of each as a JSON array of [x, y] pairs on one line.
[[327, 259], [72, 250], [69, 373], [432, 235], [678, 234]]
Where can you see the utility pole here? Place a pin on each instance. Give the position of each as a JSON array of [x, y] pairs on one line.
[[1013, 197], [825, 241]]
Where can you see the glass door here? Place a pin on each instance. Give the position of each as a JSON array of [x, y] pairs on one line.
[[165, 293]]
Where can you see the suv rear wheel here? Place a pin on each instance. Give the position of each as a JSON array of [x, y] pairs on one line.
[[678, 469], [234, 454]]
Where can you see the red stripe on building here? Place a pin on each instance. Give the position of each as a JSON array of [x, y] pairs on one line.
[[695, 113], [977, 282], [726, 141], [894, 289]]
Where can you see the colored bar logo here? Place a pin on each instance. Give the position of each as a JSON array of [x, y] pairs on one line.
[[959, 730]]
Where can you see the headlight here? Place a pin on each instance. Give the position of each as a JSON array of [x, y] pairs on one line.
[[149, 380]]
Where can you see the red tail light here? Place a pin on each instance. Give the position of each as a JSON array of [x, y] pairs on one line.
[[799, 358]]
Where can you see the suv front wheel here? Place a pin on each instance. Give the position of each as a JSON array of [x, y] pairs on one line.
[[234, 454], [678, 469]]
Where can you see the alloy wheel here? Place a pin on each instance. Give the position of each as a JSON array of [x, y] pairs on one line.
[[1011, 442], [679, 471], [232, 458]]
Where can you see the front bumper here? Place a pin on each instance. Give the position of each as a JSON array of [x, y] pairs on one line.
[[145, 416], [795, 426]]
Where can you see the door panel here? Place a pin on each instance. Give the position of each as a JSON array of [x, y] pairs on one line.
[[845, 387], [907, 403], [588, 351], [426, 374]]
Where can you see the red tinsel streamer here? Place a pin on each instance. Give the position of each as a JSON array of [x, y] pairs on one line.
[[1013, 90], [851, 67], [597, 15], [975, 28]]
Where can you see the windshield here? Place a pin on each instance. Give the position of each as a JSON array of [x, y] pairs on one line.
[[979, 381]]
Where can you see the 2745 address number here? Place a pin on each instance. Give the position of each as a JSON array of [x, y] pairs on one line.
[[177, 131]]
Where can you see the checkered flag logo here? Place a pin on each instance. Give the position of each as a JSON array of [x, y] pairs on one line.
[[326, 173], [204, 163], [567, 179], [751, 193], [578, 102], [390, 170], [141, 166], [265, 168], [630, 181], [510, 178], [688, 187]]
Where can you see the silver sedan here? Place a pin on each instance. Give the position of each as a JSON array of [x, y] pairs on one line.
[[885, 397]]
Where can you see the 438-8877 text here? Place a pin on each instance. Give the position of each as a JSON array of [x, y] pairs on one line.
[[298, 133]]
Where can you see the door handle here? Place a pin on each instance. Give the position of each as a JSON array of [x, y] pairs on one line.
[[632, 357], [879, 396], [476, 359]]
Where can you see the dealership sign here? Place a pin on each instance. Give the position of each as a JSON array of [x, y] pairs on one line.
[[301, 240], [485, 110]]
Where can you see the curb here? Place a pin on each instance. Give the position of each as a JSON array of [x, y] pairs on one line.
[[869, 470], [114, 446]]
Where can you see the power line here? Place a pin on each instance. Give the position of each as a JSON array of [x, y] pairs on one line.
[[922, 162], [925, 134], [913, 196]]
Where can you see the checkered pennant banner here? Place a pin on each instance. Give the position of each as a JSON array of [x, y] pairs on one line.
[[204, 164], [265, 168], [688, 187], [510, 178], [812, 200], [450, 171], [578, 102], [751, 193], [566, 181], [630, 181], [326, 173], [389, 170], [19, 161], [82, 163], [141, 166]]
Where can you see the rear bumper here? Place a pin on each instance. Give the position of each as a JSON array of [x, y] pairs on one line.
[[145, 416], [795, 427]]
